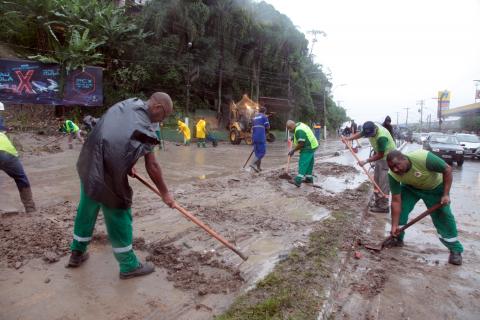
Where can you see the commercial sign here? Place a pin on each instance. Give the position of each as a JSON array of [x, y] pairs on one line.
[[443, 100], [37, 83]]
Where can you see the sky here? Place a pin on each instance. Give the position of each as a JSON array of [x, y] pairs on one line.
[[385, 56]]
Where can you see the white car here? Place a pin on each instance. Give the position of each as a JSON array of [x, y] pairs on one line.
[[469, 142]]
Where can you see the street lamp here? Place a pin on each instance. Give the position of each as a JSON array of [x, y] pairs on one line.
[[477, 92], [327, 89]]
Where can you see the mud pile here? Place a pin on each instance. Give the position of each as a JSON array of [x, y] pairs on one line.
[[192, 270], [372, 283], [342, 200], [45, 234], [333, 169]]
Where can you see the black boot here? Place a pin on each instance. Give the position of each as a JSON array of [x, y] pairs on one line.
[[455, 258], [142, 270], [77, 258]]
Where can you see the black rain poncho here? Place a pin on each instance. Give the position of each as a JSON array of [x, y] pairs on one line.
[[122, 135]]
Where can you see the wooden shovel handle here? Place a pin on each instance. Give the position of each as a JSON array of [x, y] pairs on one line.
[[365, 170], [194, 219], [415, 220], [287, 168]]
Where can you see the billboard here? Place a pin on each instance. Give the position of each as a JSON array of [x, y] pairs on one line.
[[443, 100], [37, 83]]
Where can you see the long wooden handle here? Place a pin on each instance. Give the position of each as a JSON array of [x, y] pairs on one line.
[[210, 231], [421, 216], [287, 168], [249, 157], [415, 220], [365, 170], [194, 219]]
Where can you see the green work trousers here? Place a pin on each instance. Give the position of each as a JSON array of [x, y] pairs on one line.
[[305, 166], [119, 228], [442, 218], [201, 142]]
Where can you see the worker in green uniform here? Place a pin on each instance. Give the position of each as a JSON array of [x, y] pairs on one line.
[[12, 166], [305, 141], [422, 175], [106, 159], [69, 127], [382, 143]]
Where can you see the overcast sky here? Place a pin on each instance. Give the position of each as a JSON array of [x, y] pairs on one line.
[[391, 54]]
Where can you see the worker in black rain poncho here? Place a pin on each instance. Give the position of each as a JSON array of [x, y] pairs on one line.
[[122, 136]]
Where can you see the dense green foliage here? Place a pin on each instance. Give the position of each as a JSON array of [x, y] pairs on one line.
[[470, 123], [236, 47]]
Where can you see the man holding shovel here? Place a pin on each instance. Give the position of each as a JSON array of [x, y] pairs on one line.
[[107, 157], [260, 126], [422, 175], [10, 163], [73, 131], [382, 143], [305, 141]]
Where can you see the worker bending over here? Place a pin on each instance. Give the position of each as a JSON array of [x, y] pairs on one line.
[[422, 175], [305, 141], [73, 131], [185, 130], [12, 166], [382, 143]]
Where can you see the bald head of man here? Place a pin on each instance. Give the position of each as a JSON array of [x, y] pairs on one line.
[[291, 125], [160, 106]]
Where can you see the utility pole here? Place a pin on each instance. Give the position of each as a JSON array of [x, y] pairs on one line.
[[188, 79], [325, 113], [477, 92], [397, 118], [406, 119], [421, 102]]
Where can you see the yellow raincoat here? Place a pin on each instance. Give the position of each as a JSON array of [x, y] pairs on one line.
[[201, 129], [184, 129]]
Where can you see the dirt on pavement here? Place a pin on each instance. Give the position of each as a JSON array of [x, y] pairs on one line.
[[315, 236], [246, 208]]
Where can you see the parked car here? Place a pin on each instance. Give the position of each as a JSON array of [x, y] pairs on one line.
[[416, 137], [446, 147], [469, 142], [419, 137]]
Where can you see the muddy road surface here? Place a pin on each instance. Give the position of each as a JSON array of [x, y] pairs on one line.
[[416, 281], [266, 217], [196, 277]]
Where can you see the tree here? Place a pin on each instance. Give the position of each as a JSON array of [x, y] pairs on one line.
[[471, 123]]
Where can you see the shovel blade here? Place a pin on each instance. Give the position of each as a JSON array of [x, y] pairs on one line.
[[285, 176], [374, 247]]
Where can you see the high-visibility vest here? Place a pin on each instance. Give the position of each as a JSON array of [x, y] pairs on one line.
[[6, 145], [310, 136], [419, 176], [70, 126], [382, 132]]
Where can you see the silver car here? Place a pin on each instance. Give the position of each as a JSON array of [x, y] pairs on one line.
[[469, 142]]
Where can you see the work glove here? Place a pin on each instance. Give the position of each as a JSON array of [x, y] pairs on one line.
[[291, 153]]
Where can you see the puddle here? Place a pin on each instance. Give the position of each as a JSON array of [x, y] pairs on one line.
[[339, 184]]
